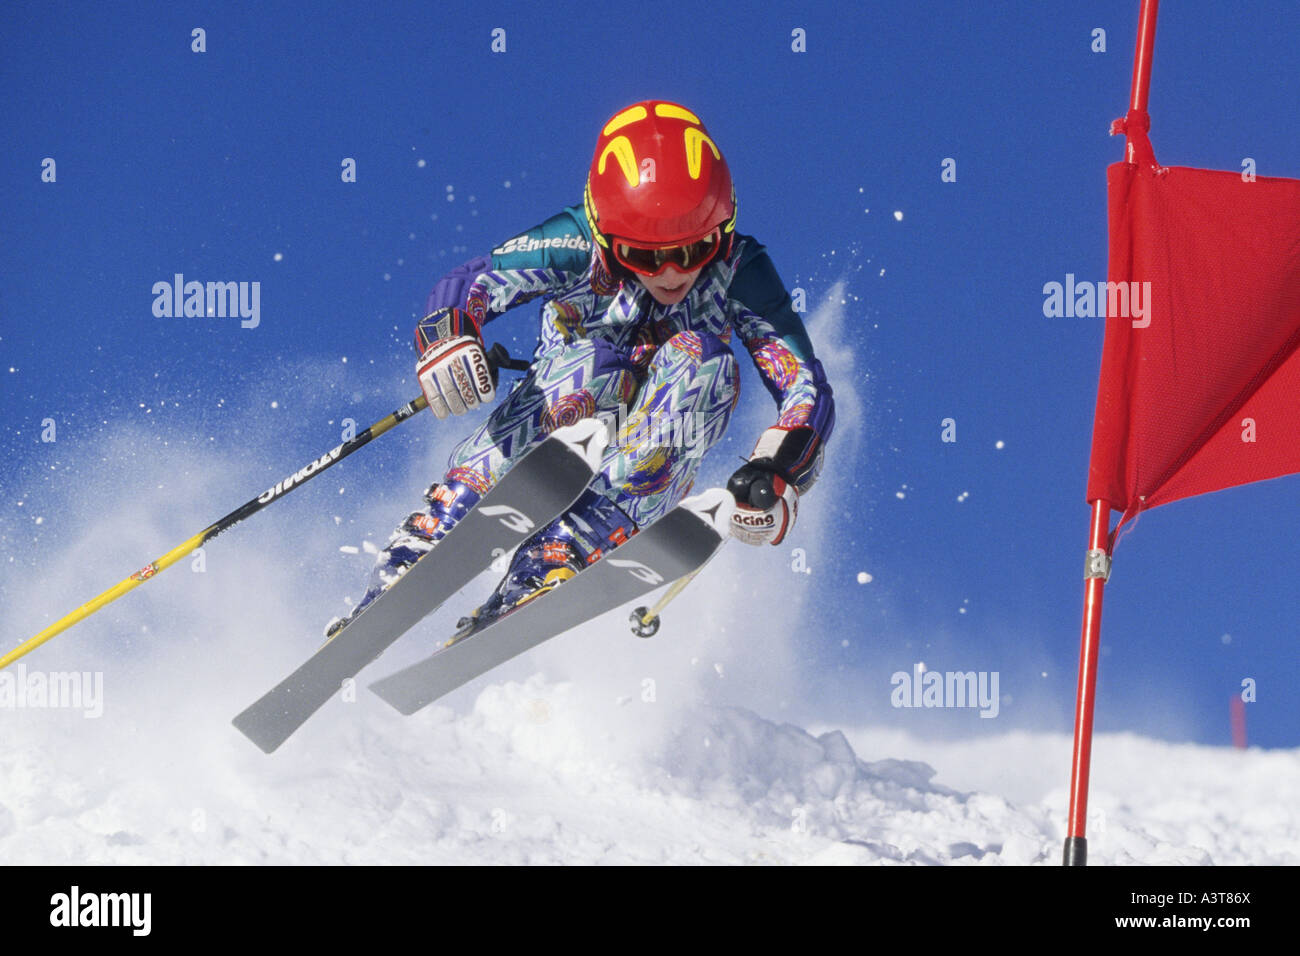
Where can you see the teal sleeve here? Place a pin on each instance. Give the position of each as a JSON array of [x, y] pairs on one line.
[[561, 243], [759, 289], [774, 335]]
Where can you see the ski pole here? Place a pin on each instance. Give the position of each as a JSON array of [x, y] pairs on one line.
[[645, 621], [274, 493]]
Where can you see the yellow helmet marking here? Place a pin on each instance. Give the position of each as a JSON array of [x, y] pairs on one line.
[[626, 118], [590, 208], [621, 147], [673, 111], [695, 140]]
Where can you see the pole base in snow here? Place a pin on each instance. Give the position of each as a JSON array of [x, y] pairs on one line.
[[1076, 852]]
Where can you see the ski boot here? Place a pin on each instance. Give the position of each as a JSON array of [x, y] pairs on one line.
[[552, 556], [448, 502]]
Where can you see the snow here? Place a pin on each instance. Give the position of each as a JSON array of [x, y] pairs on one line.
[[536, 772]]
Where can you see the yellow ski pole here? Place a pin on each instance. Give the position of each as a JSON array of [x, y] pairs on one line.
[[274, 493]]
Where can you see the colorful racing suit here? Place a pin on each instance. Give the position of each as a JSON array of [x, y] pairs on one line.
[[665, 377]]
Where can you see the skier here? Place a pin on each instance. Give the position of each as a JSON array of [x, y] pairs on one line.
[[645, 285]]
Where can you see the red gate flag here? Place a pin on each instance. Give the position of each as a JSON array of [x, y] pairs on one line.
[[1201, 391], [1200, 378]]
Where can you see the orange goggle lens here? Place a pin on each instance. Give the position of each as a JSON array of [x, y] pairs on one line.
[[653, 261]]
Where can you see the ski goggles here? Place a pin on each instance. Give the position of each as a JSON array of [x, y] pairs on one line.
[[652, 261]]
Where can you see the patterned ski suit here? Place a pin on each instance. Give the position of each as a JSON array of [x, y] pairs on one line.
[[666, 374]]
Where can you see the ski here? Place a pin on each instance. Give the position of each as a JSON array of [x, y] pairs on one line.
[[540, 486], [674, 546]]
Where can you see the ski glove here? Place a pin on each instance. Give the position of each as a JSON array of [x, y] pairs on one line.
[[453, 369], [766, 504]]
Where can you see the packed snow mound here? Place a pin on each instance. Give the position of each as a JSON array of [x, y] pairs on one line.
[[1151, 802], [532, 775], [514, 781]]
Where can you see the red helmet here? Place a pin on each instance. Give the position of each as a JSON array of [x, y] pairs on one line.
[[658, 180]]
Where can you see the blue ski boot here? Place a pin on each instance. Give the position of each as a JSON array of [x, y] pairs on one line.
[[550, 557], [448, 502]]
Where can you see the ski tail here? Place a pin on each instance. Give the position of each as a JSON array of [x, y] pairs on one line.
[[541, 485]]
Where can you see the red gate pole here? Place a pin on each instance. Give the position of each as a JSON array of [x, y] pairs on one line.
[[1138, 150], [1146, 43], [1237, 710], [1097, 570], [1136, 124]]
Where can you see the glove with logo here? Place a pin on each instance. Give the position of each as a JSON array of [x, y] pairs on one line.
[[453, 368], [766, 504]]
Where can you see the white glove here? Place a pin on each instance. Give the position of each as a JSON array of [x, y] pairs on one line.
[[454, 375]]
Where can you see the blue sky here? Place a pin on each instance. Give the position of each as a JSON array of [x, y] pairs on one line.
[[211, 164]]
